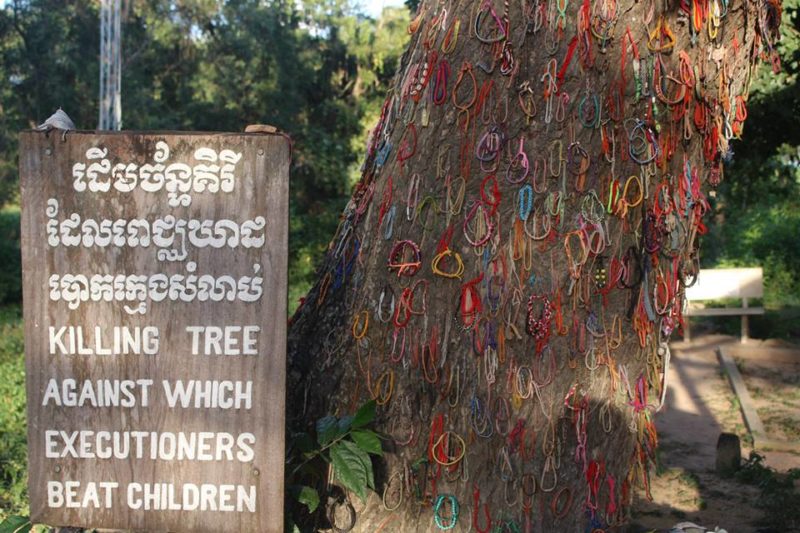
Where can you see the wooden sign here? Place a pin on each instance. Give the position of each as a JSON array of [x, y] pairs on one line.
[[154, 271]]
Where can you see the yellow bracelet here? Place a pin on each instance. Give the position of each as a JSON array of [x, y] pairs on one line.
[[363, 332], [459, 264], [438, 442], [388, 376]]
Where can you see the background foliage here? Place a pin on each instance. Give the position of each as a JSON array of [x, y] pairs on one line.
[[756, 218], [318, 69]]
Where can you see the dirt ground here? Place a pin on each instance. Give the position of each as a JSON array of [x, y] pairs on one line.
[[700, 405], [776, 395]]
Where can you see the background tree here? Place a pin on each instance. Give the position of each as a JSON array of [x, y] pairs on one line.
[[317, 69], [514, 257], [756, 218]]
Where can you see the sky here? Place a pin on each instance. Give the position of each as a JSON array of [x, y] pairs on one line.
[[373, 7]]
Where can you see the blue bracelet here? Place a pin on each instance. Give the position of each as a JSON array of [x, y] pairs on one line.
[[525, 202]]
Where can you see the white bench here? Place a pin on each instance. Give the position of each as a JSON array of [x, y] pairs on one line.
[[719, 283]]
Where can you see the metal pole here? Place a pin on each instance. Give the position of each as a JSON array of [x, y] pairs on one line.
[[110, 101]]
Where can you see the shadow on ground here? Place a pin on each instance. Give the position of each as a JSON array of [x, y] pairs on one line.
[[699, 406]]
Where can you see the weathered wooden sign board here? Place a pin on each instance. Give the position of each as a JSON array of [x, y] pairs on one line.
[[154, 270]]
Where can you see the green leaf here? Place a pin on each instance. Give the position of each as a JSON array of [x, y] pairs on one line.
[[368, 441], [309, 497], [327, 429], [365, 414], [370, 473], [16, 524], [352, 467], [306, 495], [344, 424]]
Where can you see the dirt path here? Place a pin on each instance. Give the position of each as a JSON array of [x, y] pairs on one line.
[[699, 406]]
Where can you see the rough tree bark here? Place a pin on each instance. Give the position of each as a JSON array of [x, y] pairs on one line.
[[514, 257]]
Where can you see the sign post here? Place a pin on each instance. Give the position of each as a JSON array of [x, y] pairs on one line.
[[155, 279]]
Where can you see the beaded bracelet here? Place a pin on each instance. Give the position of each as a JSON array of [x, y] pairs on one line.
[[398, 260], [539, 327], [450, 520]]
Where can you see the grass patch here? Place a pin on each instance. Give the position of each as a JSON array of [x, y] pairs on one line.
[[787, 424], [690, 479], [779, 499], [13, 440]]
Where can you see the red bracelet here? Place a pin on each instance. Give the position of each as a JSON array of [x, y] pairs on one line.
[[539, 327], [492, 199], [476, 504], [471, 305], [404, 152]]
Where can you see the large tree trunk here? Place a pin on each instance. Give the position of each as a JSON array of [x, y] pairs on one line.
[[513, 260]]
